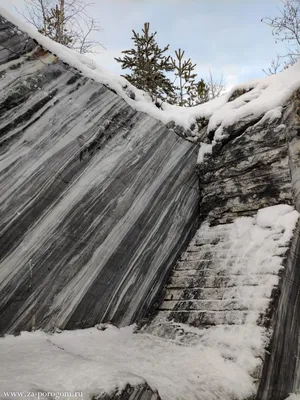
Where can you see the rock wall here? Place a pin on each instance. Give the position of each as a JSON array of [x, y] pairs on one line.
[[281, 374], [216, 282], [97, 200], [248, 171], [14, 43]]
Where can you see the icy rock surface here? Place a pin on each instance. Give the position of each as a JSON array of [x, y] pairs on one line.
[[96, 200]]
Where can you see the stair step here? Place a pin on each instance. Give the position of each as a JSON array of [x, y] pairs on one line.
[[212, 236], [221, 281], [193, 264], [205, 272], [215, 293], [241, 304], [207, 247], [203, 318], [210, 272], [209, 255]]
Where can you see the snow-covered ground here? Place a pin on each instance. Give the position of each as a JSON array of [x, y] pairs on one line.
[[92, 360]]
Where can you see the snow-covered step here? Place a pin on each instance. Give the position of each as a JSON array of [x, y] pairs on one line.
[[250, 292], [205, 318], [194, 247], [193, 272], [183, 265], [241, 304], [216, 281], [230, 272], [219, 272], [190, 294], [207, 254]]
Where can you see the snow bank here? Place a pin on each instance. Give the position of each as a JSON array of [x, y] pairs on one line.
[[91, 361], [265, 95]]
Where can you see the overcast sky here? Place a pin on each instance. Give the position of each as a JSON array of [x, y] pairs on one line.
[[226, 36]]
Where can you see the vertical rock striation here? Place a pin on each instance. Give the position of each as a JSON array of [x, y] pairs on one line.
[[97, 200]]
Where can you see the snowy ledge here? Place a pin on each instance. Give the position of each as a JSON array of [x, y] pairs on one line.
[[253, 99]]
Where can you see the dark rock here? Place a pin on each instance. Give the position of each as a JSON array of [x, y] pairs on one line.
[[140, 392], [192, 127], [237, 93], [170, 125], [131, 94], [13, 42], [201, 123]]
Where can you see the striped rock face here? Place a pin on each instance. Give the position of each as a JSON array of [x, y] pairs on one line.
[[96, 201]]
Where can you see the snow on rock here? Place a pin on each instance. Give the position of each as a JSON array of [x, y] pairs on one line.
[[281, 216], [205, 148], [258, 97]]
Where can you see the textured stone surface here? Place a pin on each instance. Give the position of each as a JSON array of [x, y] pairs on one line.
[[248, 171], [96, 200], [219, 280], [13, 43], [140, 392], [255, 166], [281, 374]]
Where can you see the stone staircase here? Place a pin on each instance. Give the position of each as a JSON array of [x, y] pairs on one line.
[[228, 276]]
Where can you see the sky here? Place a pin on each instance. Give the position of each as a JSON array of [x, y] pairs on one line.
[[224, 36]]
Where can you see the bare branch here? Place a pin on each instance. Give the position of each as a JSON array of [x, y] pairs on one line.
[[215, 87], [65, 21], [286, 28]]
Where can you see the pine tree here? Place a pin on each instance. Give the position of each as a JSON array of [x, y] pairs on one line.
[[148, 64], [185, 76], [188, 91], [202, 93]]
